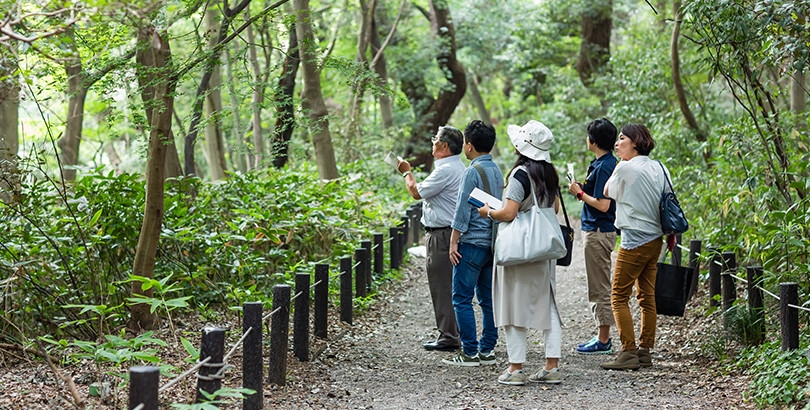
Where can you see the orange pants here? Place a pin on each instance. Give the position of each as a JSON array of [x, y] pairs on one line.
[[635, 267]]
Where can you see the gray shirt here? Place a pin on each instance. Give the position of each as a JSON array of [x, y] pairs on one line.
[[440, 191]]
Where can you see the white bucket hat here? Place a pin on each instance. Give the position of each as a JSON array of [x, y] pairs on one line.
[[531, 140]]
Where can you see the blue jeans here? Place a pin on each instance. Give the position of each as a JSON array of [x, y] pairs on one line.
[[473, 274]]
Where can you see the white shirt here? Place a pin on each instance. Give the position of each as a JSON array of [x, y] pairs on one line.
[[636, 185], [440, 191]]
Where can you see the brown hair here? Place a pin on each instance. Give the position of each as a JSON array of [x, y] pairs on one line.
[[640, 136]]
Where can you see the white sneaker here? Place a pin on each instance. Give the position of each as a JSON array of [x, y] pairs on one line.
[[516, 378]]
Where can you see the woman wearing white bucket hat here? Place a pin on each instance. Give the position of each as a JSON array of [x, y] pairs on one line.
[[523, 294]]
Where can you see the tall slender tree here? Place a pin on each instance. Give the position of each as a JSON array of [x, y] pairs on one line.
[[285, 111], [312, 95], [430, 112], [159, 133], [594, 52], [9, 137]]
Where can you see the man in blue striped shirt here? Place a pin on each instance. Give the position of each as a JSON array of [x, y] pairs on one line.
[[471, 250]]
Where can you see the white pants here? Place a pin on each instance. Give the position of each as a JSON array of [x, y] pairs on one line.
[[517, 344]]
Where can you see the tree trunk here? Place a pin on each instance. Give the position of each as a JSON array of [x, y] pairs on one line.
[[431, 113], [691, 121], [257, 100], [594, 51], [359, 88], [160, 126], [285, 117], [240, 153], [210, 63], [313, 103], [145, 58], [381, 68], [214, 145], [9, 123], [79, 83], [70, 142], [798, 93]]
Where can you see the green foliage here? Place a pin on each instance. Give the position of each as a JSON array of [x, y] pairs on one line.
[[777, 378], [66, 260], [225, 395], [117, 350], [744, 324]]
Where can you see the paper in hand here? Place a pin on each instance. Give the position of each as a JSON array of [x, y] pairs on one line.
[[478, 198], [571, 171], [392, 160]]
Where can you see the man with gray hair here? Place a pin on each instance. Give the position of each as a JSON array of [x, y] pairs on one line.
[[439, 192]]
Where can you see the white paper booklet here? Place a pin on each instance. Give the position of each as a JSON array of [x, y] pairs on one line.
[[571, 176], [392, 160], [478, 198]]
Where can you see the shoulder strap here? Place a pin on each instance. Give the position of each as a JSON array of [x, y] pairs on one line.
[[562, 202], [483, 175], [665, 176]]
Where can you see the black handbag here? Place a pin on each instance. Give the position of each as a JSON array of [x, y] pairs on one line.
[[673, 221], [672, 283], [568, 236]]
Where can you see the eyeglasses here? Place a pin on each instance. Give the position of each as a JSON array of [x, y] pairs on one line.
[[436, 140]]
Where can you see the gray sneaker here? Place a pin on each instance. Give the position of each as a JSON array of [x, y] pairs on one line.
[[516, 378], [552, 376], [461, 359], [486, 358]]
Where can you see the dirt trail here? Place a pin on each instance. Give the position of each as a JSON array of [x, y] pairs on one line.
[[379, 363]]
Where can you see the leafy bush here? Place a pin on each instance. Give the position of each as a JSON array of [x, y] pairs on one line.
[[778, 378], [69, 249]]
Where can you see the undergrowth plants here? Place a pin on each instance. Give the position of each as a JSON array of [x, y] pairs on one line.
[[66, 259]]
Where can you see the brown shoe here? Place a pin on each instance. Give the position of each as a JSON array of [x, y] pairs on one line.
[[627, 360], [644, 357]]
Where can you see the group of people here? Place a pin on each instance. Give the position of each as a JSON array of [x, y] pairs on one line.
[[618, 196]]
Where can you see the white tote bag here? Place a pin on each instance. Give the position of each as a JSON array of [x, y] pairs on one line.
[[533, 236]]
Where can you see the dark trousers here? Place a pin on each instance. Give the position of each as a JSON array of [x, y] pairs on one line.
[[440, 282]]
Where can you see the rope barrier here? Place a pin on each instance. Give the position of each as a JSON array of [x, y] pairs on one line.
[[267, 316], [296, 295], [356, 264], [769, 293], [717, 262]]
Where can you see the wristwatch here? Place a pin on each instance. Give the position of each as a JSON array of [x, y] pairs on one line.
[[579, 195], [405, 174]]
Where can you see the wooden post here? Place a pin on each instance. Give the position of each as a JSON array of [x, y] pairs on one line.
[[279, 334], [714, 276], [694, 263], [414, 221], [209, 378], [402, 238], [360, 287], [321, 300], [789, 295], [143, 387], [755, 297], [393, 234], [301, 318], [252, 357], [367, 263], [346, 289], [405, 226], [379, 247], [729, 287]]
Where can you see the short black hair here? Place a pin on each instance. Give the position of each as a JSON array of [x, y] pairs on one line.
[[602, 132], [453, 137], [480, 135], [641, 136]]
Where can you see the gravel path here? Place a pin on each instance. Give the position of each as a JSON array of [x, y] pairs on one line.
[[380, 363]]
